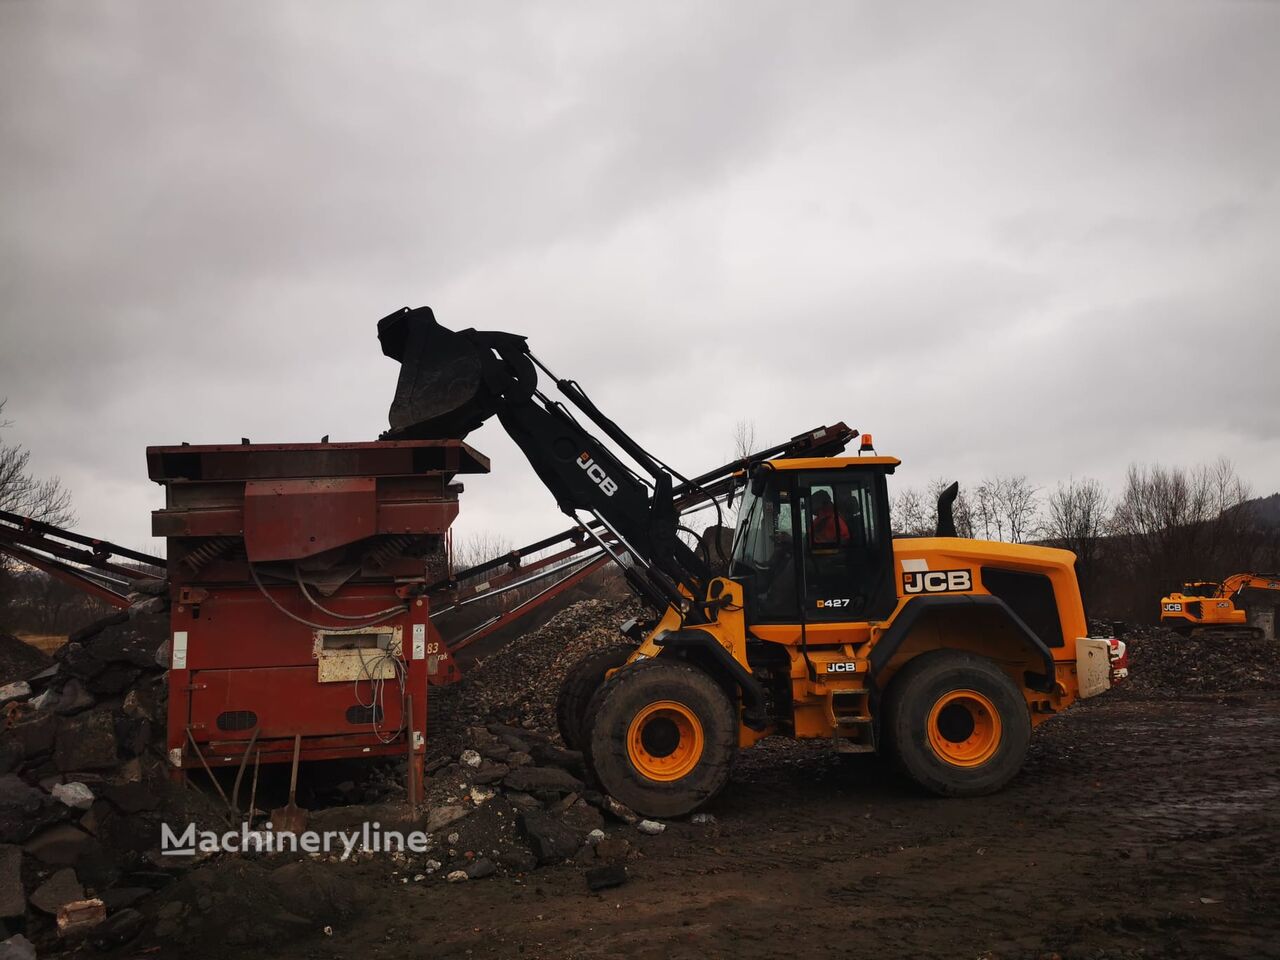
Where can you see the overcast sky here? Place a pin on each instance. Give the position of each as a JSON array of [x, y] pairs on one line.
[[1018, 238]]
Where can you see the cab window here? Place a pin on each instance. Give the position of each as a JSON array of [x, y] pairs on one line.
[[844, 547], [763, 552]]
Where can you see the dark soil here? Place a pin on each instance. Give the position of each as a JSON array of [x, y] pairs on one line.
[[1144, 824], [1140, 827]]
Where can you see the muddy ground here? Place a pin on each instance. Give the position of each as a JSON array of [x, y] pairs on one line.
[[1141, 827]]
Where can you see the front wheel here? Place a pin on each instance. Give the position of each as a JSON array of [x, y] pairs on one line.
[[580, 685], [661, 737], [956, 724]]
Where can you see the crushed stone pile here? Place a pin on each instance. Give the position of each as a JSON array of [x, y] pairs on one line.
[[1164, 662], [518, 683], [18, 659]]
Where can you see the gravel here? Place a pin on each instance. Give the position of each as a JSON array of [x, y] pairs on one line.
[[1164, 662]]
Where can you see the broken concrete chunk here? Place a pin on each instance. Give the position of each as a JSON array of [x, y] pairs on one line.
[[542, 779], [59, 846], [87, 743], [18, 690], [470, 759], [116, 678], [74, 794], [73, 699], [60, 889], [479, 868], [79, 661], [651, 827], [551, 840], [134, 707], [548, 753], [584, 817], [489, 772], [702, 819], [37, 736], [24, 809], [117, 929], [441, 817], [457, 876], [619, 810], [80, 916]]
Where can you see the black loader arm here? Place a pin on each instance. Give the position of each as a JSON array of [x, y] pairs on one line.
[[452, 382]]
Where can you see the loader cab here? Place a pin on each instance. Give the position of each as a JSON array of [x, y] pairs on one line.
[[813, 542]]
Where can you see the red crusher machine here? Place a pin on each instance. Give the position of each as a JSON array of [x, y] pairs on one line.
[[298, 576]]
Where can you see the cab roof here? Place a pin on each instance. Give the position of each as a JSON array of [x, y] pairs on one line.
[[833, 463]]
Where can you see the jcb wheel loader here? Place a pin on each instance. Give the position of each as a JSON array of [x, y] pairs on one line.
[[942, 652]]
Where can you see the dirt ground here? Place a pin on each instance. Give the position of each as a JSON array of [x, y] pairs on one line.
[[1140, 827]]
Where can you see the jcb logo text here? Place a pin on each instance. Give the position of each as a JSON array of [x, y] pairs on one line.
[[937, 581], [597, 474]]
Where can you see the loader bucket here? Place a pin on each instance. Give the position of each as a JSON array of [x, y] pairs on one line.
[[441, 392]]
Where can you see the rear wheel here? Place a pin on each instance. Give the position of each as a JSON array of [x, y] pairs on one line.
[[579, 686], [956, 724], [661, 737]]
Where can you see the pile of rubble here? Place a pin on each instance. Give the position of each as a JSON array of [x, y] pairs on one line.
[[82, 782], [520, 680], [514, 800], [1164, 662], [84, 790]]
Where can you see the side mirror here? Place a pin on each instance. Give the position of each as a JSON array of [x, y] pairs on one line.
[[759, 480]]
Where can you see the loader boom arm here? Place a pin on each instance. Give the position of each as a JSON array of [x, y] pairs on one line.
[[452, 382]]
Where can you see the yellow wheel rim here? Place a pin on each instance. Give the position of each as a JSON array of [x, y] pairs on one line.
[[964, 728], [664, 741]]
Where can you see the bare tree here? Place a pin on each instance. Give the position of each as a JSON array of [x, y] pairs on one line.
[[1076, 520], [1006, 508], [477, 548], [1173, 524], [915, 512], [22, 492], [744, 439], [910, 514]]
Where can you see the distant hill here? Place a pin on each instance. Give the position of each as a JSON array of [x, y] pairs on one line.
[[1265, 511]]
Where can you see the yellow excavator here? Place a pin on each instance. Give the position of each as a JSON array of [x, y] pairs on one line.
[[942, 652], [1204, 607]]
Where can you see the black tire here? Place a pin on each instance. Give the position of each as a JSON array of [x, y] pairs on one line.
[[709, 748], [579, 686], [996, 744]]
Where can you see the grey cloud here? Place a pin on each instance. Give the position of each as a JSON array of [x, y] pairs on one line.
[[988, 233]]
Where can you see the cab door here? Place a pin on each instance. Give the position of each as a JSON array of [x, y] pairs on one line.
[[815, 546], [844, 545]]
